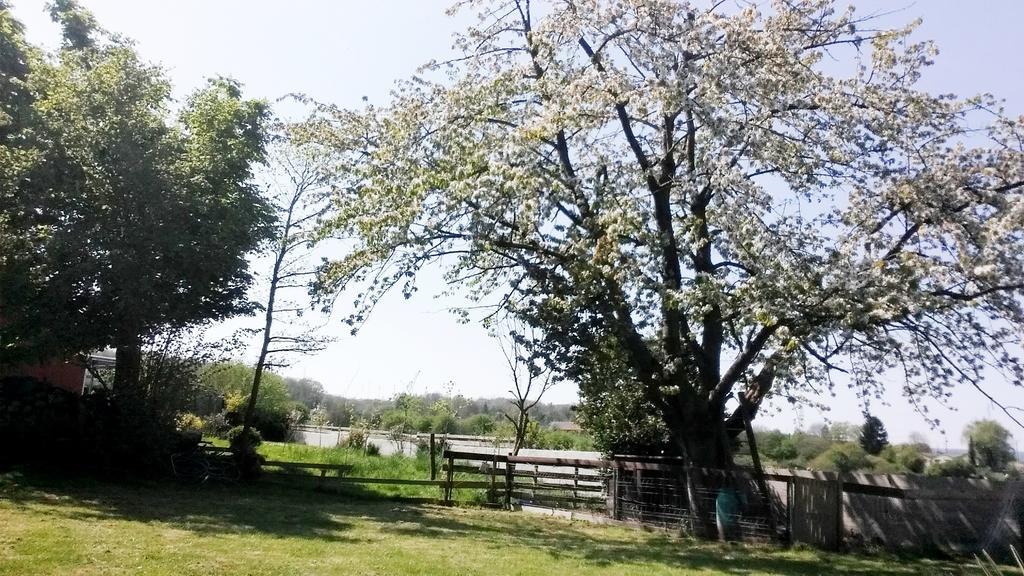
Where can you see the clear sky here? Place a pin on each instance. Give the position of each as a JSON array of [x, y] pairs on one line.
[[342, 50]]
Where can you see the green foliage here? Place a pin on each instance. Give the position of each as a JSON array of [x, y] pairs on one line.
[[235, 437], [119, 219], [563, 440], [822, 449], [990, 443], [842, 457], [77, 24], [216, 425], [906, 457], [358, 436], [479, 425], [318, 417], [188, 422], [612, 406], [233, 380], [306, 391], [873, 437], [134, 433], [776, 447], [953, 467], [371, 449]]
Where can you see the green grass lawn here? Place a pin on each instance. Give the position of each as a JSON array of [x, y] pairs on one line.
[[395, 466], [85, 527]]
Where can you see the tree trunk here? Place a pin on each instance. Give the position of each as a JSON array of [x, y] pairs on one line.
[[246, 453], [128, 366]]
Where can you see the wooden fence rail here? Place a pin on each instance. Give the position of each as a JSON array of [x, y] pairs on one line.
[[816, 508]]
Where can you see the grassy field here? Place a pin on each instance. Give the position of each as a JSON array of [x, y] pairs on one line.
[[82, 527], [365, 466]]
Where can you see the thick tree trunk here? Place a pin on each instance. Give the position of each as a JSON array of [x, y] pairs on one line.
[[128, 366]]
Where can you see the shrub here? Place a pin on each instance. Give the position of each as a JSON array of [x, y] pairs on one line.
[[372, 449], [880, 465], [905, 456], [235, 437], [955, 468], [188, 422], [216, 425], [842, 457], [358, 434]]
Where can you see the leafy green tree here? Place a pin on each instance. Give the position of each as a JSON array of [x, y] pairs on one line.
[[954, 467], [480, 425], [873, 437], [776, 447], [844, 432], [627, 172], [907, 457], [842, 457], [306, 391], [233, 381], [991, 443], [128, 220]]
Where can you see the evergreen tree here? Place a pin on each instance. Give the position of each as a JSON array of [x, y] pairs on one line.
[[873, 437]]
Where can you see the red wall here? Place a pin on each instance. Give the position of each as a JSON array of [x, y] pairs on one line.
[[61, 374]]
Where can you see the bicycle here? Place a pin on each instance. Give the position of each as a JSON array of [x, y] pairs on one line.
[[205, 463]]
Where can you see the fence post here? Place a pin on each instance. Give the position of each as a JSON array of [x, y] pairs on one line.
[[790, 495], [612, 505], [575, 482], [433, 462], [536, 472], [451, 478], [839, 510], [509, 478], [494, 471]]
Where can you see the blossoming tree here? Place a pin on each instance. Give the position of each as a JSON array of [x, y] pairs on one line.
[[716, 202]]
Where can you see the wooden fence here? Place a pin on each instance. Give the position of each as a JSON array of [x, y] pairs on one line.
[[820, 509], [556, 482]]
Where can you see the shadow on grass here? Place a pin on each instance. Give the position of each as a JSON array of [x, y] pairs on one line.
[[302, 513]]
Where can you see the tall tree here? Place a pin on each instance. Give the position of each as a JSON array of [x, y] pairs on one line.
[[704, 190], [129, 220], [873, 437], [989, 444], [300, 199]]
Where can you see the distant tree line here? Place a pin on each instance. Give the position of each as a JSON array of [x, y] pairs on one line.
[[284, 402], [846, 447]]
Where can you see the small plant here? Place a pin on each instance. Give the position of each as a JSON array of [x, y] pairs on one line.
[[235, 437], [371, 449], [397, 435], [318, 417], [249, 462], [358, 435], [216, 425], [188, 422]]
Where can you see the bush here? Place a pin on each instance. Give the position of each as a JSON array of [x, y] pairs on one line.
[[51, 427], [235, 437], [880, 465], [842, 457], [905, 456], [358, 435], [188, 422], [954, 468], [372, 449], [216, 425]]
